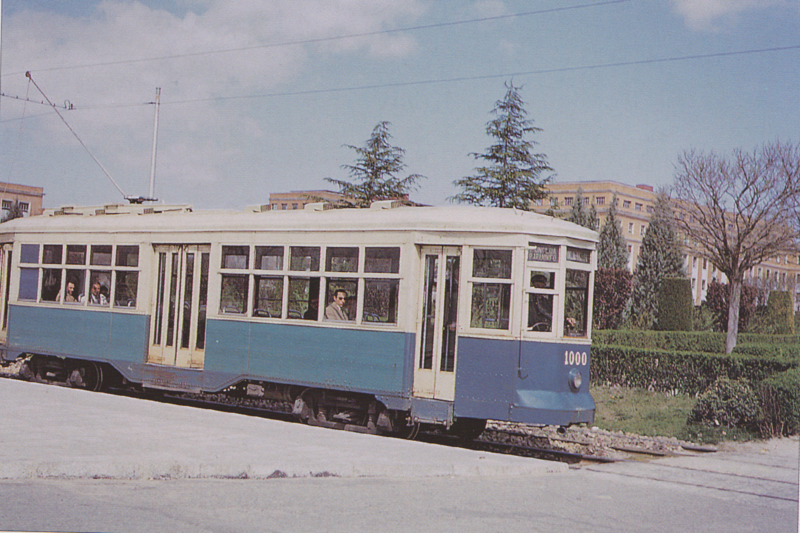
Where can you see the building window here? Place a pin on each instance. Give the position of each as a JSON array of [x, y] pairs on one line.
[[23, 206], [641, 229], [568, 200], [585, 200], [7, 205], [553, 202], [630, 228], [638, 207], [294, 206], [600, 200], [626, 204], [537, 202]]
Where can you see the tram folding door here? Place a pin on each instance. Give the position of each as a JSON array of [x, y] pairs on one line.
[[179, 307], [5, 284], [434, 373]]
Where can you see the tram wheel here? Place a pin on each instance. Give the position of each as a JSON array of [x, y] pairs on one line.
[[86, 375]]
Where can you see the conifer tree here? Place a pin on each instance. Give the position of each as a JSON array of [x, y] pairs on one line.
[[580, 215], [374, 174], [660, 257], [612, 250], [513, 176]]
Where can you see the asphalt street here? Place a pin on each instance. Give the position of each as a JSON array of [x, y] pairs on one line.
[[77, 461]]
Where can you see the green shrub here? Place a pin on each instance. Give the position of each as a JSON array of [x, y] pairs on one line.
[[780, 403], [727, 403], [780, 315], [674, 301], [612, 288], [702, 318]]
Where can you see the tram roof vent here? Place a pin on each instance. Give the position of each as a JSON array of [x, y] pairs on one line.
[[148, 211], [386, 204], [317, 206]]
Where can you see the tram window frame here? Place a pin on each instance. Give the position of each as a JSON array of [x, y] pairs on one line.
[[71, 267], [491, 289], [542, 300], [304, 286]]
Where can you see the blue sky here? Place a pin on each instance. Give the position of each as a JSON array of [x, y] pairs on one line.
[[261, 97]]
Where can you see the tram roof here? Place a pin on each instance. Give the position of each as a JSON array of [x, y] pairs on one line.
[[464, 219]]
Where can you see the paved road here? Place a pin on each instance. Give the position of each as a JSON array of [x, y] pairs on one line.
[[381, 484]]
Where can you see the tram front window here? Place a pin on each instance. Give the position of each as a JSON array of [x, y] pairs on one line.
[[576, 302]]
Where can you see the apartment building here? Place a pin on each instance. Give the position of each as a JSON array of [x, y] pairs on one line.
[[634, 206], [284, 201], [29, 198]]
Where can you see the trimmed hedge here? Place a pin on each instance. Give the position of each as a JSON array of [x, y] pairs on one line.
[[693, 341], [682, 371], [780, 403]]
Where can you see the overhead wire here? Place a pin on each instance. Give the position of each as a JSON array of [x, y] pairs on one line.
[[333, 38]]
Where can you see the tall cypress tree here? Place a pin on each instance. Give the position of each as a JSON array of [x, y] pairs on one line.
[[660, 257], [512, 176], [612, 250], [580, 215]]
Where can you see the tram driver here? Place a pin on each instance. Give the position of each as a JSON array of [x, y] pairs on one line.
[[540, 306]]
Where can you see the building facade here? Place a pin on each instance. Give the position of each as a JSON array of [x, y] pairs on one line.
[[285, 201], [29, 198], [634, 207]]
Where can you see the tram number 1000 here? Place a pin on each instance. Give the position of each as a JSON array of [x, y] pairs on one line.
[[575, 358]]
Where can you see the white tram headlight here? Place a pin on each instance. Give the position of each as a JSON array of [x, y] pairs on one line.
[[575, 379]]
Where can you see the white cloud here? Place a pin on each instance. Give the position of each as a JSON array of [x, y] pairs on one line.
[[194, 136], [708, 14]]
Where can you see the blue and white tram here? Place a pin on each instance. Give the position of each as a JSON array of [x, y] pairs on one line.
[[445, 315]]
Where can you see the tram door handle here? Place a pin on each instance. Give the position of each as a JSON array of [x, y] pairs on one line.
[[519, 364]]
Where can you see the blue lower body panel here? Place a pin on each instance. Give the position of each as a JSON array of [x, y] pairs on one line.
[[522, 381]]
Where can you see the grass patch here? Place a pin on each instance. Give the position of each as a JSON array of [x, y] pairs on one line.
[[655, 414]]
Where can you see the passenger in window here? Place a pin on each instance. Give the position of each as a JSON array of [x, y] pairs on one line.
[[70, 296], [335, 310], [313, 310], [540, 306], [96, 297]]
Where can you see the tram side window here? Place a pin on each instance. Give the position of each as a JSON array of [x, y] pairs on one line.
[[303, 298], [101, 255], [235, 256], [234, 294], [337, 308], [269, 258], [74, 286], [126, 289], [268, 297], [51, 284], [99, 286], [28, 283], [76, 254], [51, 254], [491, 301], [380, 300], [29, 253], [304, 258], [382, 260], [576, 303], [127, 256], [341, 260]]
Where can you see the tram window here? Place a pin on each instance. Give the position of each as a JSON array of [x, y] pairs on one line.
[[382, 260], [77, 278], [28, 283], [304, 258], [269, 257], [76, 254], [492, 264], [51, 284], [545, 253], [235, 256], [29, 253], [540, 312], [341, 259], [234, 294], [543, 280], [576, 302], [348, 306], [127, 256], [101, 255], [51, 254], [579, 255], [126, 288], [380, 300], [303, 298], [491, 304], [99, 286], [268, 297]]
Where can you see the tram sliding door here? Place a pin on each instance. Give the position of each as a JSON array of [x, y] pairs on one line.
[[5, 284], [434, 374], [178, 330]]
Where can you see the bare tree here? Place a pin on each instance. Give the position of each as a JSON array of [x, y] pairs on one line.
[[739, 211]]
